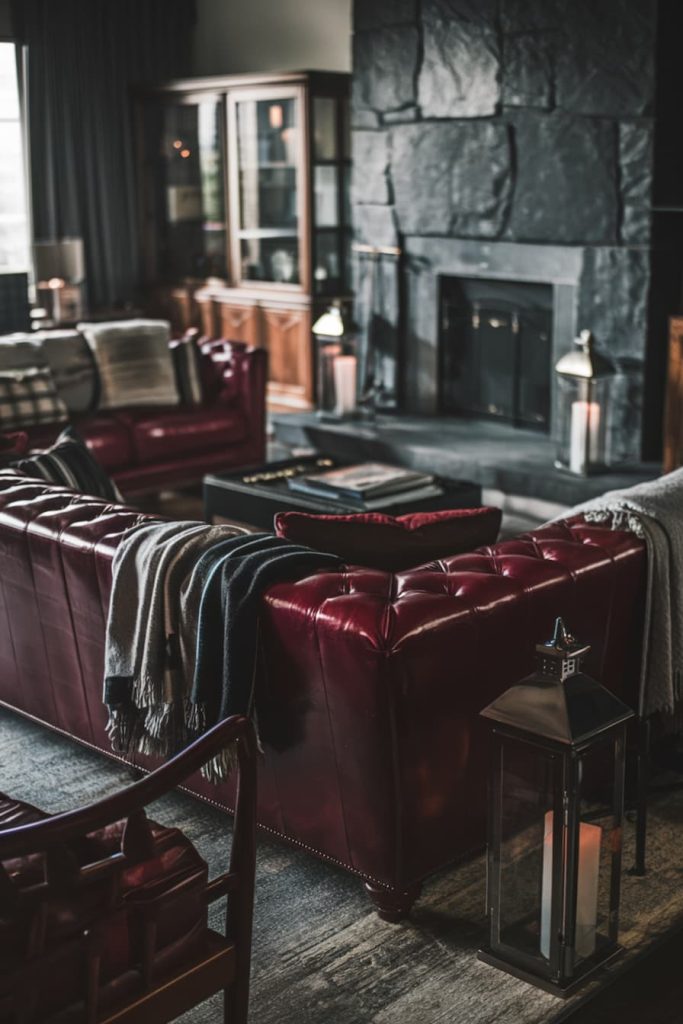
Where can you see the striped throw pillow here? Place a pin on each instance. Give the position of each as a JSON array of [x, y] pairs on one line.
[[134, 363], [69, 462], [29, 397]]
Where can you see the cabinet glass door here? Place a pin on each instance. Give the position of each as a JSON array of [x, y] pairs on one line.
[[331, 207], [267, 155], [186, 222]]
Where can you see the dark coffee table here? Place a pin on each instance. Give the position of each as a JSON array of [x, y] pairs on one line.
[[252, 496]]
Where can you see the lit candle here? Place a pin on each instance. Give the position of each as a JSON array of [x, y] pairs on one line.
[[345, 368], [590, 837], [275, 115], [584, 436]]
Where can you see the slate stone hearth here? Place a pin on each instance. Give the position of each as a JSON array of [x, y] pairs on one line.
[[516, 462], [508, 139]]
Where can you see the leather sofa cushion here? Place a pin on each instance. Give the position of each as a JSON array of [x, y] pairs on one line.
[[109, 439], [392, 543], [13, 446], [173, 878], [159, 434]]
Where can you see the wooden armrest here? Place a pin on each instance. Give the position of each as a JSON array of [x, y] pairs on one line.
[[64, 828]]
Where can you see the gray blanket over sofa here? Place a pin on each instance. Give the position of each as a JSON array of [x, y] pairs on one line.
[[654, 511]]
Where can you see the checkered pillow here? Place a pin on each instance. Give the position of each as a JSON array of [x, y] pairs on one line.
[[29, 397]]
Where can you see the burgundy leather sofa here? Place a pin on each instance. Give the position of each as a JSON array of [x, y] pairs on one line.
[[378, 677], [144, 449]]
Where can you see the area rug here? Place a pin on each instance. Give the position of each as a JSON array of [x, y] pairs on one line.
[[321, 955]]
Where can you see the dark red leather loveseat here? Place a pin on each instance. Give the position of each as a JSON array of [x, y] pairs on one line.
[[144, 449], [379, 677]]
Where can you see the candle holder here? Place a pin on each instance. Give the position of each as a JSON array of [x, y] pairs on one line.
[[556, 811], [584, 391], [337, 364]]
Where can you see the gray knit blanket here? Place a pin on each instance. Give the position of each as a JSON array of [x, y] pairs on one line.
[[654, 511]]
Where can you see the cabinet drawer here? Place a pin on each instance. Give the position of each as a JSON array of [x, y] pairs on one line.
[[240, 323]]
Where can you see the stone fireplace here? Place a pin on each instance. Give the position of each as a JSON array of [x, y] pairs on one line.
[[508, 141], [495, 340]]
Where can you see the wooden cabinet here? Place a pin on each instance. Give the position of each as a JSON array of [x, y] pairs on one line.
[[281, 326], [287, 337], [245, 185]]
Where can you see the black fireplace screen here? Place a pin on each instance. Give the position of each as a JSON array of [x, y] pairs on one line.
[[495, 349]]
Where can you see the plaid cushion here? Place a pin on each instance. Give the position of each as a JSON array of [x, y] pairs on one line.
[[29, 397], [70, 462]]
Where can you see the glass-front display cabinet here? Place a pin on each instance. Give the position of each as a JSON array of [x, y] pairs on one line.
[[246, 213]]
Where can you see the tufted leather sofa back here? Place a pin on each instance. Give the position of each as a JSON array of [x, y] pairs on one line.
[[374, 679]]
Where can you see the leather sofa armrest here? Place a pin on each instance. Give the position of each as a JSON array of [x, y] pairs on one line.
[[239, 373]]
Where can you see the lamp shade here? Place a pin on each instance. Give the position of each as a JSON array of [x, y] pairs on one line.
[[61, 259]]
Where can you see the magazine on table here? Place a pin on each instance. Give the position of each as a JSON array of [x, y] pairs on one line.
[[412, 494], [362, 483]]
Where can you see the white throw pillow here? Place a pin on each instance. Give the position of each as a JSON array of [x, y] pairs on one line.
[[134, 362]]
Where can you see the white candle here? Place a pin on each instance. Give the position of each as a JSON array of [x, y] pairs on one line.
[[345, 368], [590, 837], [585, 427]]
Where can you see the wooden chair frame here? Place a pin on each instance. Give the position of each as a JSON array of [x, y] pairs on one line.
[[225, 964]]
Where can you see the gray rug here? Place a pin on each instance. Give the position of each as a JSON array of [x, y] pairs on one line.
[[321, 955]]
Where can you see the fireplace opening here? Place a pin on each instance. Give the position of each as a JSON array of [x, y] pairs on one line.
[[495, 345]]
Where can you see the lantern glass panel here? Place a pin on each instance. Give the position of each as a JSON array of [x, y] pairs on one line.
[[583, 412], [337, 384], [599, 850], [527, 798]]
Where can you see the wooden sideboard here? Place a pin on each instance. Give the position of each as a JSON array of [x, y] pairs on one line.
[[280, 325]]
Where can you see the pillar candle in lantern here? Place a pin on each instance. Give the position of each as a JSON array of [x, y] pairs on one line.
[[584, 442], [345, 369], [590, 837]]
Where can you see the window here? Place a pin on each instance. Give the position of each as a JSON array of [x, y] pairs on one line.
[[14, 226]]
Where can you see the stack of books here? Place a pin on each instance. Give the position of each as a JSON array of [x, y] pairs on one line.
[[368, 486]]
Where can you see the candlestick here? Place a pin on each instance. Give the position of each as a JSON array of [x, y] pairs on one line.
[[345, 371], [590, 837]]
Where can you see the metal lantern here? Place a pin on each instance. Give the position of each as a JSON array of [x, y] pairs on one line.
[[584, 385], [337, 363], [555, 821]]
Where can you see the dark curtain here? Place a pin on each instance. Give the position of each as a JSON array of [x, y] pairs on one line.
[[84, 58]]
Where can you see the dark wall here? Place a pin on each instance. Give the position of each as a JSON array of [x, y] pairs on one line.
[[513, 120]]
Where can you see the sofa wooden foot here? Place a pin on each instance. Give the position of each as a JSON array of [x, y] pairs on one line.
[[393, 904]]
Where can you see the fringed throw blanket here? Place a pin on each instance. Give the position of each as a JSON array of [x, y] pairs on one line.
[[143, 688], [227, 631], [654, 511], [182, 631]]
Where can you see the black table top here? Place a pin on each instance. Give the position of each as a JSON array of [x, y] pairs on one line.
[[253, 495]]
